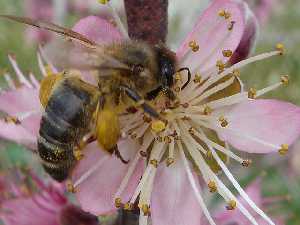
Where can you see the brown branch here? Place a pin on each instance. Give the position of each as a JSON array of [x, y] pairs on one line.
[[147, 20]]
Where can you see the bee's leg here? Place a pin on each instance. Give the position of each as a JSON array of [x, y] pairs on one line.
[[116, 151], [89, 138], [140, 101]]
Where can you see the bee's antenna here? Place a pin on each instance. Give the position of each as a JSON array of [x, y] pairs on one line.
[[189, 76]]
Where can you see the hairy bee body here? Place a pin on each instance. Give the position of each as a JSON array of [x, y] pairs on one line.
[[66, 120]]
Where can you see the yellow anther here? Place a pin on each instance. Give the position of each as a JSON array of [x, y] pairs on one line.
[[12, 119], [284, 149], [231, 25], [191, 131], [236, 72], [252, 93], [70, 187], [220, 65], [194, 46], [146, 209], [159, 139], [177, 89], [118, 202], [103, 1], [209, 154], [285, 79], [223, 121], [158, 126], [167, 139], [143, 154], [185, 105], [212, 186], [227, 53], [222, 12], [133, 136], [128, 206], [231, 205], [246, 162], [170, 161], [78, 154], [197, 78], [147, 119], [227, 15], [280, 47], [154, 163], [207, 110]]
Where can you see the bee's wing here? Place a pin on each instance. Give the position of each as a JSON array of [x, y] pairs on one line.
[[83, 54]]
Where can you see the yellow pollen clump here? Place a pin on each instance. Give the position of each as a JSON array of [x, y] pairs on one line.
[[252, 93], [158, 126], [78, 154], [209, 154], [285, 79], [231, 25], [154, 163], [191, 131], [280, 47], [146, 209], [236, 72], [246, 162], [118, 202], [12, 119], [223, 121], [167, 139], [170, 161], [177, 89], [147, 119], [128, 206], [207, 110], [103, 1], [220, 65], [212, 186], [227, 53], [197, 78], [284, 149], [194, 46], [231, 205], [70, 187], [221, 13]]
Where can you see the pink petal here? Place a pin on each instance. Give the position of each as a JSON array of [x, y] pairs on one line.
[[20, 100], [271, 121], [212, 34], [248, 40], [98, 30], [96, 194], [173, 200]]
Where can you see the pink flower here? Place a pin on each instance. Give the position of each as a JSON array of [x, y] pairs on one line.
[[214, 112], [262, 9], [39, 203], [226, 217]]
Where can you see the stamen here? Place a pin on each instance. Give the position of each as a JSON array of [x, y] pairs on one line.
[[158, 126], [46, 59], [194, 46], [240, 190], [20, 75], [171, 159], [284, 149], [212, 186], [41, 65], [231, 25], [9, 81], [34, 81], [117, 18], [146, 143], [227, 53], [197, 78], [252, 93], [90, 171], [118, 202], [280, 47], [223, 121], [70, 187], [231, 205], [194, 185]]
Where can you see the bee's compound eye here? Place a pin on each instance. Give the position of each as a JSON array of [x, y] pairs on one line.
[[137, 69]]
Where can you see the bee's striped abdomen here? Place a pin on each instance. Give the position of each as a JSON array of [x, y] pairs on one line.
[[65, 121]]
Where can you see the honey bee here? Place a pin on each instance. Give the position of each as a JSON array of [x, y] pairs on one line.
[[77, 113]]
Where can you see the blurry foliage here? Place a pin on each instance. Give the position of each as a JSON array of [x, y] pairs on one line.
[[283, 26]]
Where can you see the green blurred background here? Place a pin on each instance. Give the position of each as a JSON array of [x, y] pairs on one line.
[[281, 175]]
